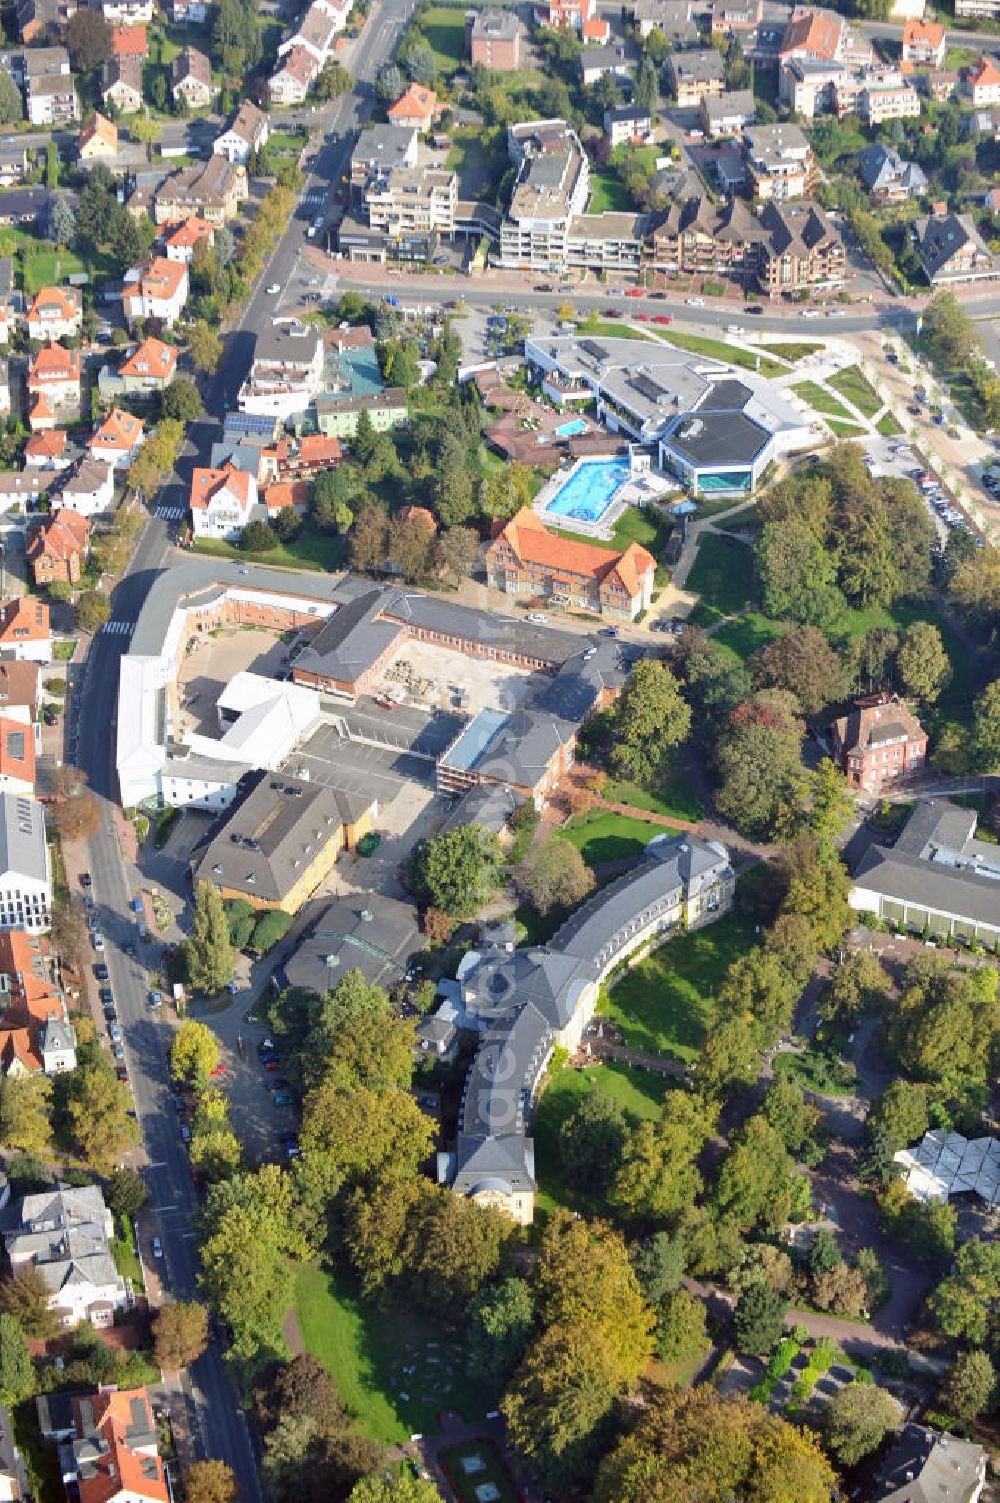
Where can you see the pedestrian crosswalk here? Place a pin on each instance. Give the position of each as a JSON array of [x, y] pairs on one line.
[[118, 628], [170, 513]]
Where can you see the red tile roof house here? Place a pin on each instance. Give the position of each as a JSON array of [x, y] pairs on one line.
[[57, 549], [526, 559], [157, 289], [417, 108], [54, 313], [46, 451], [878, 742], [115, 1448], [221, 502], [149, 368], [25, 633], [53, 386], [285, 494], [20, 690], [17, 757], [290, 81], [118, 440], [180, 243], [292, 459], [130, 41]]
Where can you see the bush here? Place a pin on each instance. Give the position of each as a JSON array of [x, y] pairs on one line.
[[258, 537], [269, 928]]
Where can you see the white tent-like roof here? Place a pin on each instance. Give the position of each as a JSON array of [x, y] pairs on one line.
[[946, 1163]]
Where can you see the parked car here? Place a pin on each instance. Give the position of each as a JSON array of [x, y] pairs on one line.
[[218, 1069], [122, 1074], [185, 1133], [283, 1098], [663, 318], [114, 1033], [106, 995], [98, 941], [101, 972], [118, 1050], [155, 999], [86, 880], [273, 1066]]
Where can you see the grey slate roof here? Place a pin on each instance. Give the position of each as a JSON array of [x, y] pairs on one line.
[[927, 1467], [380, 945], [271, 833], [883, 167], [941, 237], [937, 864], [22, 837]]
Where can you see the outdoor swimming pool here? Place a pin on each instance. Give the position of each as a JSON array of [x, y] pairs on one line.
[[589, 489], [572, 428]]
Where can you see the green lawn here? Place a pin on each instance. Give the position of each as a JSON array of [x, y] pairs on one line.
[[743, 636], [489, 1469], [601, 835], [717, 349], [365, 1348], [310, 550], [123, 1250], [666, 1004], [444, 29], [820, 400], [792, 351], [611, 331], [607, 194], [639, 1092], [845, 430], [722, 575], [471, 156], [285, 140], [817, 1071], [888, 426], [852, 385], [676, 798], [47, 268]]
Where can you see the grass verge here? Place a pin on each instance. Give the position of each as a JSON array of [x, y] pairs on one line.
[[717, 349], [852, 385], [675, 798], [601, 836], [820, 400], [310, 550], [666, 1004]]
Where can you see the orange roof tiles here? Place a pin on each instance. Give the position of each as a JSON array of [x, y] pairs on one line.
[[49, 445], [316, 449], [151, 358], [815, 32], [596, 29], [17, 750], [286, 493], [206, 483], [24, 619], [130, 41], [185, 236], [120, 1418], [62, 536], [54, 302], [54, 362], [300, 65], [101, 130], [534, 544], [983, 72], [119, 431], [923, 34], [17, 1046], [158, 278], [417, 102]]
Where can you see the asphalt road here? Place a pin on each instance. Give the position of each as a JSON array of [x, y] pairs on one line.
[[219, 1421]]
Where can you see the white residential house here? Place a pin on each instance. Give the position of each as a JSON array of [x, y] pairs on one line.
[[25, 630], [49, 88], [292, 78], [221, 502], [66, 1234], [90, 489], [127, 12], [54, 313], [248, 133], [118, 439], [25, 869], [157, 289], [286, 373], [57, 1042]]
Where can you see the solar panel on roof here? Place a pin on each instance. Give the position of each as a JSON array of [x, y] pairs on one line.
[[647, 387]]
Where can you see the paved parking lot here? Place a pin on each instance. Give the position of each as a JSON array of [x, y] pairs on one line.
[[327, 757], [406, 728], [893, 456]]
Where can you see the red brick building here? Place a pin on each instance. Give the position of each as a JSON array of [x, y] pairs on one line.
[[58, 548], [526, 559], [879, 741]]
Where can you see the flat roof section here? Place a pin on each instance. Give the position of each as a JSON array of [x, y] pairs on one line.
[[717, 439], [476, 739]]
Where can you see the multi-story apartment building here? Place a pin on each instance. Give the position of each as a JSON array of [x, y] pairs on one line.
[[779, 162], [293, 77], [695, 75], [881, 102], [801, 248], [213, 190], [286, 374], [552, 187], [413, 203], [379, 149], [981, 83], [49, 88], [728, 114], [559, 13], [978, 10], [25, 868], [158, 289], [951, 249], [493, 38], [220, 502]]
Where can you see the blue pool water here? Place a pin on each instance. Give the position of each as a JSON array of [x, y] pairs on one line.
[[590, 490], [570, 429]]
